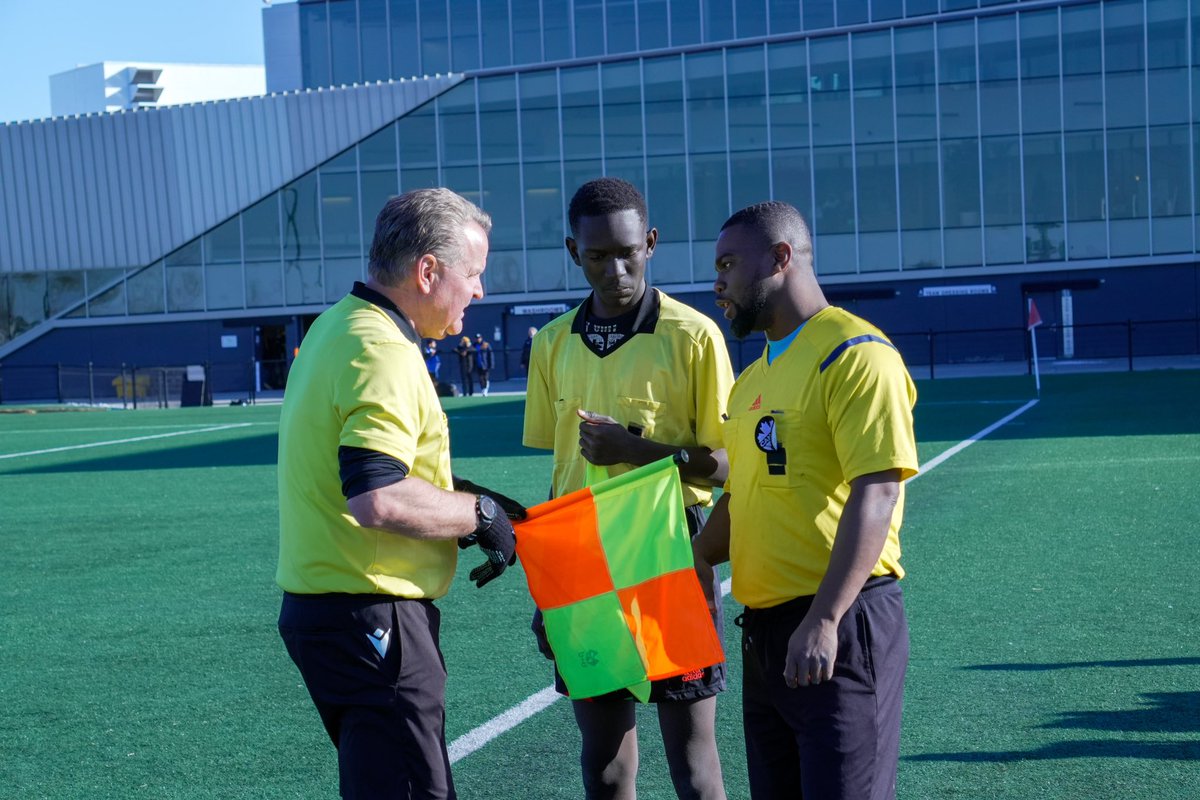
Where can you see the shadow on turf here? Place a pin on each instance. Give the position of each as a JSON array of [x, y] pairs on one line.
[[1164, 712]]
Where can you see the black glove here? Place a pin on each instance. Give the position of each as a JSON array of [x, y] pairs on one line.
[[538, 626], [511, 508], [495, 538]]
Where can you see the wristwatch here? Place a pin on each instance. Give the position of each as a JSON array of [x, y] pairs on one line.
[[485, 512]]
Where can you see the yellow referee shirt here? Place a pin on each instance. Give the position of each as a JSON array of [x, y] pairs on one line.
[[358, 381], [670, 381], [835, 405]]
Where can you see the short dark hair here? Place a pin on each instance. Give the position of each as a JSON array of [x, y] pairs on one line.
[[777, 221], [419, 222], [605, 196]]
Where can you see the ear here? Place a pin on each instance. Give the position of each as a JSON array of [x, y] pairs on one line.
[[573, 249], [783, 255], [426, 272], [651, 241]]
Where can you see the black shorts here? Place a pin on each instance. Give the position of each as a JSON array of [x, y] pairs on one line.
[[374, 670], [691, 685]]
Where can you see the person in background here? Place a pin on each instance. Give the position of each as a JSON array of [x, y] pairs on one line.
[[485, 362], [370, 521], [820, 442], [525, 348], [466, 365], [433, 362]]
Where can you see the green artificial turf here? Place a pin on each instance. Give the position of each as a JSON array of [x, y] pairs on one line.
[[1051, 598]]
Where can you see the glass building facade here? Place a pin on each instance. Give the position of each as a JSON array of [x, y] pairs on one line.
[[922, 139]]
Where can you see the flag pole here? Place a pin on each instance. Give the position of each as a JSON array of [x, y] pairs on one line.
[[1035, 319]]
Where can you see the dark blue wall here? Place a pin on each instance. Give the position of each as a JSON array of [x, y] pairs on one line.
[[966, 328]]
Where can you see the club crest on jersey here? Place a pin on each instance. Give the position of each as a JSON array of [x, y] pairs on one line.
[[766, 437]]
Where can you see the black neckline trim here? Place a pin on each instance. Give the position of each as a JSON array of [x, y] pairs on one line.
[[364, 292], [645, 322]]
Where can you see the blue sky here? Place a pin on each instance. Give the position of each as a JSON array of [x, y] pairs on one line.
[[41, 37]]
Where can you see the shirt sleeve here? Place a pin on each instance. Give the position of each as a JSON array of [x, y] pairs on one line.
[[539, 404], [381, 401], [869, 400], [713, 376]]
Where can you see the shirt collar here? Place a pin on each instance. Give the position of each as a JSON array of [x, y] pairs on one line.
[[364, 292], [644, 322]]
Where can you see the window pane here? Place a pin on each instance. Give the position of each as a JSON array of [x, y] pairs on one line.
[[373, 41], [64, 289], [622, 109], [301, 237], [873, 112], [916, 113], [496, 49], [1168, 96], [1124, 43], [186, 256], [685, 22], [406, 50], [750, 177], [343, 39], [1170, 170], [706, 101], [314, 44], [663, 88], [556, 33], [539, 116], [223, 244], [1081, 40], [106, 292], [1043, 179], [960, 110], [1039, 44], [747, 89], [851, 12], [418, 138], [264, 284], [1001, 181], [456, 117], [223, 286], [785, 16], [580, 112], [627, 169], [1085, 176], [792, 173], [1127, 174], [960, 183], [502, 199], [817, 15], [787, 71], [652, 24], [544, 226], [1166, 33], [915, 56], [465, 181], [302, 282], [1083, 102], [435, 35], [464, 34], [1126, 99], [999, 111], [498, 119], [589, 22], [379, 149], [547, 269], [710, 195], [340, 225], [621, 31], [527, 31], [185, 289], [1040, 105], [377, 189], [340, 275], [997, 48], [751, 19], [505, 271], [876, 188], [956, 52], [920, 198], [666, 197], [833, 171], [144, 290]]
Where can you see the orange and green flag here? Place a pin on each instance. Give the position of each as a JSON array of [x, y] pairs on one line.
[[610, 566]]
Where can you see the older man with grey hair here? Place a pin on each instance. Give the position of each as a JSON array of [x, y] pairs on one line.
[[369, 518]]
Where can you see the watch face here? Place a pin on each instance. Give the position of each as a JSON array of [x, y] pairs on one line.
[[487, 508]]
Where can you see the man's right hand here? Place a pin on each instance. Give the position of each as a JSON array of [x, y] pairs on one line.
[[499, 543]]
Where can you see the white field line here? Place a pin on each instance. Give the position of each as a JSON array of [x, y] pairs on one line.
[[188, 428], [124, 441], [473, 740]]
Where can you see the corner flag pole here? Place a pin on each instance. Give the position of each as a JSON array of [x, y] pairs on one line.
[[1035, 319]]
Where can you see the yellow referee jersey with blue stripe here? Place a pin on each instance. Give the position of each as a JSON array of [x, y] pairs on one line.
[[835, 405], [669, 381]]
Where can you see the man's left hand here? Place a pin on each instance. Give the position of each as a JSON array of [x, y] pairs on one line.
[[811, 653], [604, 441]]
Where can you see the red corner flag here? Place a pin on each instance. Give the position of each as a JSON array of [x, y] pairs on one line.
[[1035, 318]]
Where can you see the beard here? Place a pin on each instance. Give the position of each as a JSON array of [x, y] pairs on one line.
[[752, 316]]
